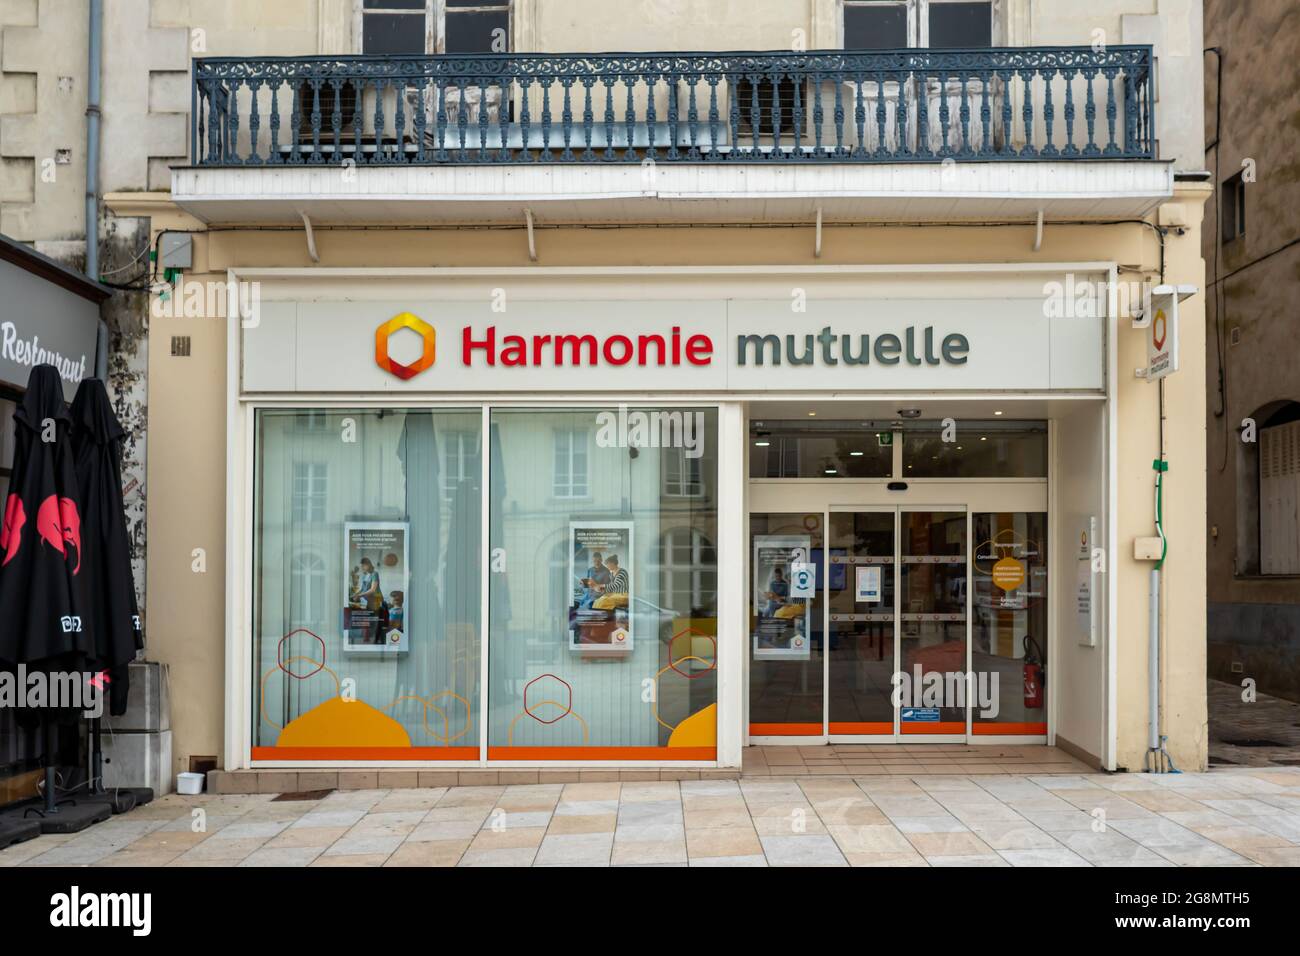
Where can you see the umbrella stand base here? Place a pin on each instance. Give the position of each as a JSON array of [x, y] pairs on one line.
[[142, 795], [14, 830], [119, 800], [68, 817]]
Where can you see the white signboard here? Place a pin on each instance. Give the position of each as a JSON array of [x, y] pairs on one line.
[[998, 342]]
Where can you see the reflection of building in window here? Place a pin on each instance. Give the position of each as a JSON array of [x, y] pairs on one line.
[[689, 571], [308, 590], [683, 476], [310, 492], [460, 461], [570, 473]]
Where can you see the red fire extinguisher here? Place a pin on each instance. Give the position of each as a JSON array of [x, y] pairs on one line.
[[1035, 674]]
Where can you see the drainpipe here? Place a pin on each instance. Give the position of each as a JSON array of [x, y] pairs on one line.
[[95, 59]]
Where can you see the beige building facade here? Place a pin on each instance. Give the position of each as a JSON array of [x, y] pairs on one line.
[[872, 324]]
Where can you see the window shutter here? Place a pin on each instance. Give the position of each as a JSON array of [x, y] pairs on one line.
[[1279, 499]]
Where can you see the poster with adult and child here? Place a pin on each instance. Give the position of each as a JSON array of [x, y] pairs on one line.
[[601, 574], [376, 562], [782, 620]]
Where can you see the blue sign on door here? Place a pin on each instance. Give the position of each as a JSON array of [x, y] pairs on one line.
[[928, 715]]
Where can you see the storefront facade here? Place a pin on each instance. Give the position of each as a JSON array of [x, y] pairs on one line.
[[624, 410], [423, 464]]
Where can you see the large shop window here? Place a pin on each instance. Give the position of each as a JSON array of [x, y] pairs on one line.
[[367, 569], [603, 595], [602, 584]]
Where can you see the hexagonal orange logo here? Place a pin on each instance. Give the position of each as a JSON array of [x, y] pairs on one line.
[[405, 321]]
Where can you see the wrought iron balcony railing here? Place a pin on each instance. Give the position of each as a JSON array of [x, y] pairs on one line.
[[1031, 103]]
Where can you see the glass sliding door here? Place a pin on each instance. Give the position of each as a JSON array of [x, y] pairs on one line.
[[932, 622], [860, 643], [1009, 631], [786, 678]]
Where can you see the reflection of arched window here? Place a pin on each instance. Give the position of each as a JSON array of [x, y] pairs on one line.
[[1268, 493], [689, 571], [307, 592]]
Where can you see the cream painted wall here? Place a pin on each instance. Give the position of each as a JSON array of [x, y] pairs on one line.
[[187, 466], [1077, 672], [1183, 692]]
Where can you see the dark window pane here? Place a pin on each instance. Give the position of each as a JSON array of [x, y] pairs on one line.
[[961, 25], [478, 32], [478, 3], [879, 27], [978, 450], [398, 33], [394, 4], [830, 449]]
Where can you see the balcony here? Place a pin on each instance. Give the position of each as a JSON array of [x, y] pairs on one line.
[[801, 126]]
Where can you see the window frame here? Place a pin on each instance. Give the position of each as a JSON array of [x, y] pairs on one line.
[[435, 22], [918, 18], [1232, 208]]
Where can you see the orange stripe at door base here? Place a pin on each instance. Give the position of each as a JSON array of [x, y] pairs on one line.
[[365, 753], [916, 728], [603, 753], [870, 727], [1009, 730], [785, 730]]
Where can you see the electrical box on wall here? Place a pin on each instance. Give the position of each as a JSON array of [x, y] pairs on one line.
[[176, 250], [1147, 549]]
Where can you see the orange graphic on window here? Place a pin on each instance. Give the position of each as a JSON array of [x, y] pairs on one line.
[[405, 321]]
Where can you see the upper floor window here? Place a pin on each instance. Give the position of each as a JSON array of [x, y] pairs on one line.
[[434, 26], [1233, 207], [936, 24]]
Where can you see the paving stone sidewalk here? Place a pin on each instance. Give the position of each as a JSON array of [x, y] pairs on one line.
[[1224, 817]]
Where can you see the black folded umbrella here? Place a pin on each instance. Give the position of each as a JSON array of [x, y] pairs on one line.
[[43, 560], [110, 613], [41, 555]]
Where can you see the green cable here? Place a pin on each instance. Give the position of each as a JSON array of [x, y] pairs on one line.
[[1161, 466]]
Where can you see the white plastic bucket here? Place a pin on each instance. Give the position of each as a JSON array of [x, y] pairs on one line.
[[189, 783]]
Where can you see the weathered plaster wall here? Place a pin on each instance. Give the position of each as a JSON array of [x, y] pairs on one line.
[[1254, 621]]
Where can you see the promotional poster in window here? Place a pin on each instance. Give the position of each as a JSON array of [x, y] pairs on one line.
[[601, 571], [376, 559], [781, 616]]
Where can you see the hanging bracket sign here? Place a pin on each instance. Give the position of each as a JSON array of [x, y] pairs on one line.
[[1159, 318]]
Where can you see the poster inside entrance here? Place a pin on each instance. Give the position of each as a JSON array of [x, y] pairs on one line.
[[601, 572], [782, 617], [376, 559]]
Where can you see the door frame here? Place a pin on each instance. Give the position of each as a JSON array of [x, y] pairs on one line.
[[826, 495], [897, 736]]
